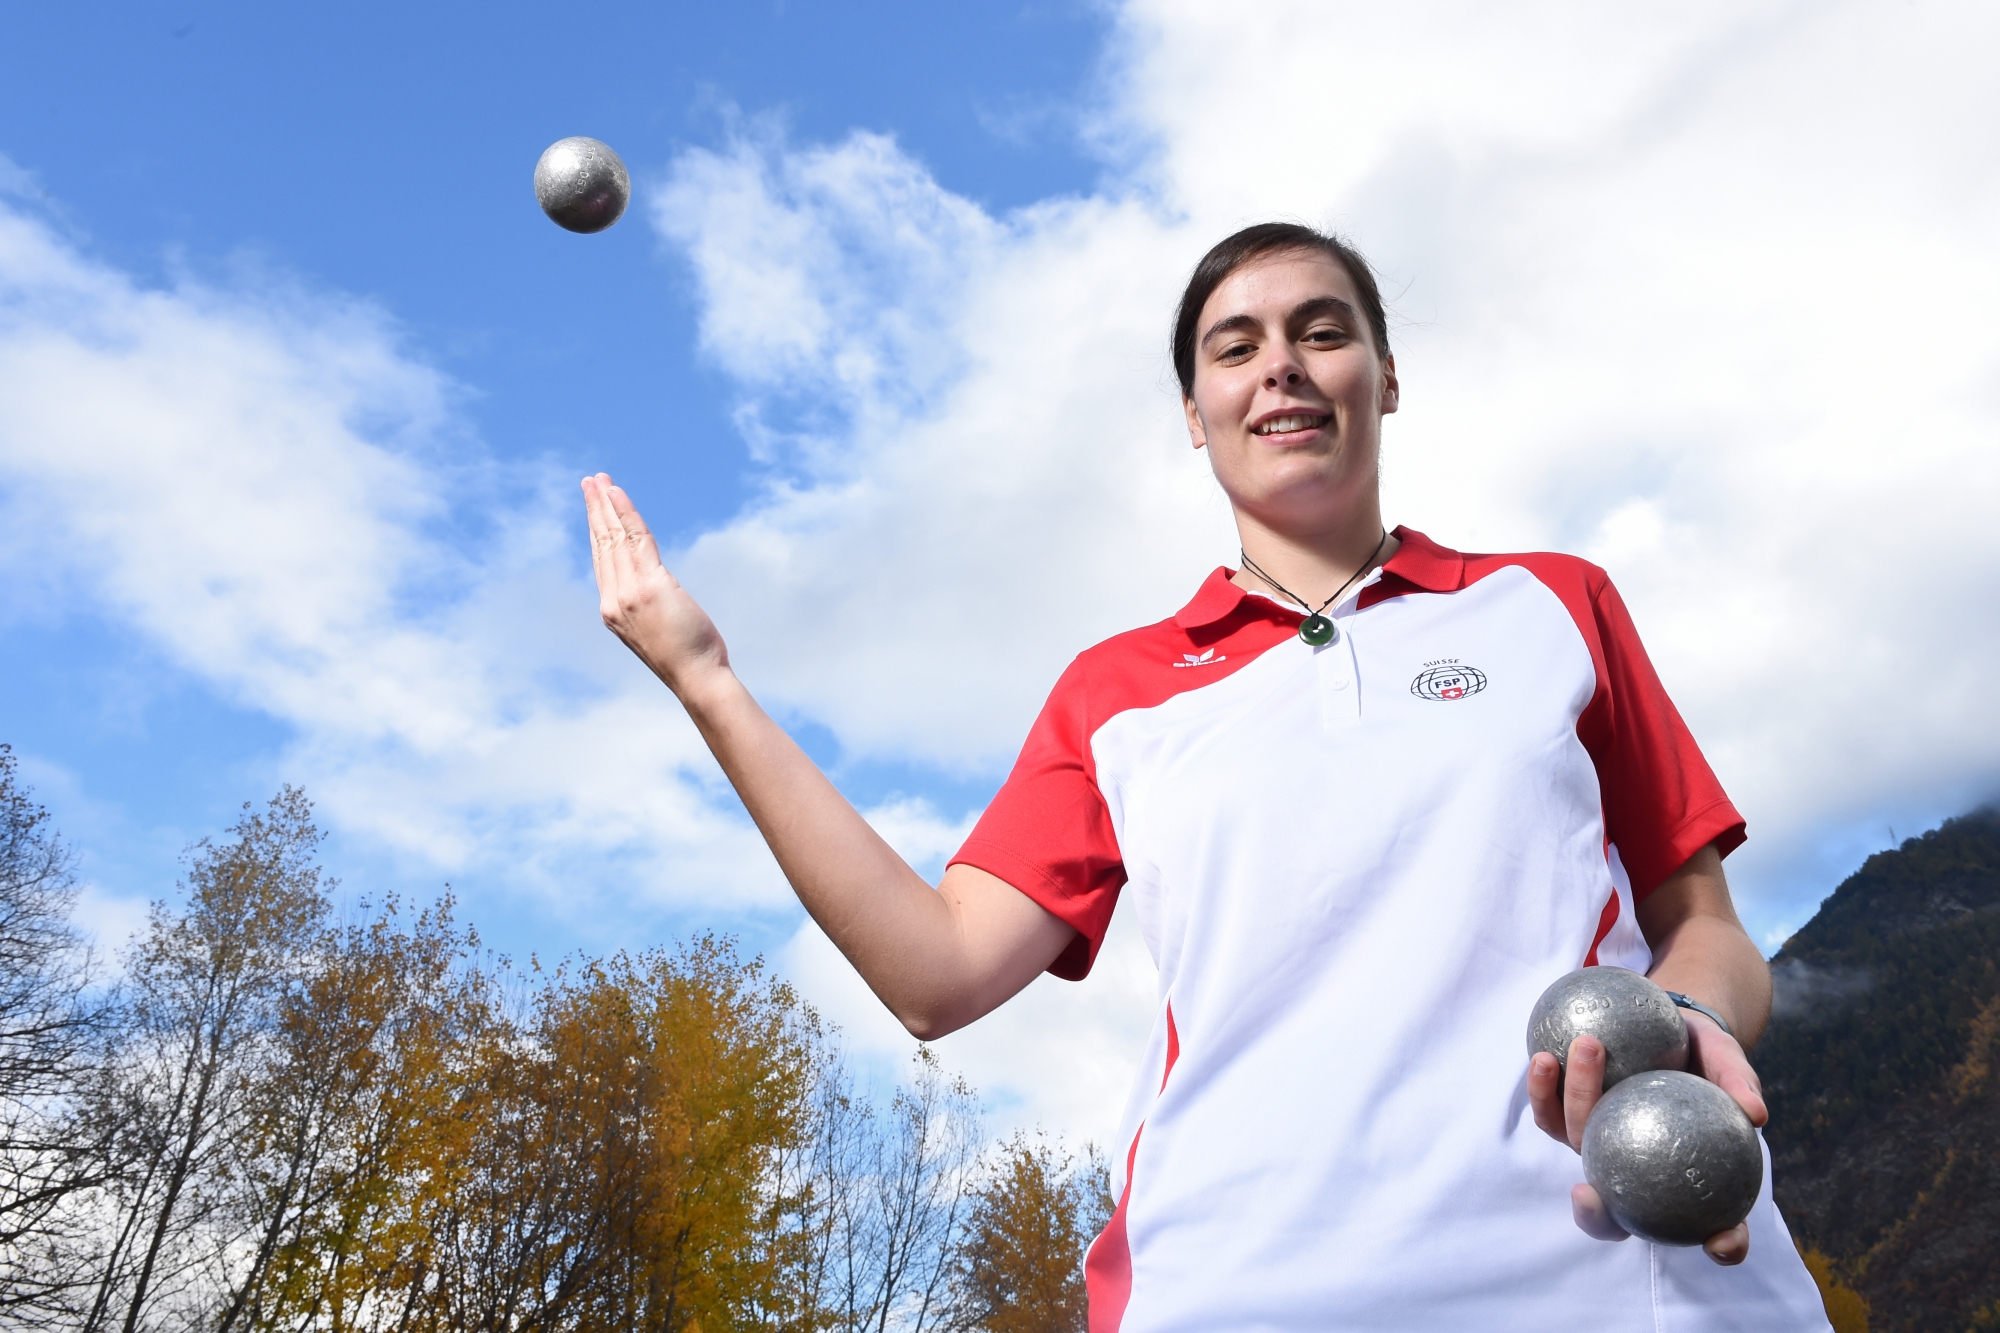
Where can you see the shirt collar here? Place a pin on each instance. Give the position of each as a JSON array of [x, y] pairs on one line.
[[1421, 563], [1418, 562]]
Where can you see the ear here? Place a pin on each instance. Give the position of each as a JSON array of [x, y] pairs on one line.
[[1197, 433], [1391, 390]]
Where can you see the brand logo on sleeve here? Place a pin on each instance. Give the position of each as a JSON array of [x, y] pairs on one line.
[[1447, 678], [1208, 658]]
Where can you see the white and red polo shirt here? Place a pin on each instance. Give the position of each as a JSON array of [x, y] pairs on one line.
[[1357, 866]]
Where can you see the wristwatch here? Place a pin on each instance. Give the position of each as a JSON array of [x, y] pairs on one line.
[[1700, 1008]]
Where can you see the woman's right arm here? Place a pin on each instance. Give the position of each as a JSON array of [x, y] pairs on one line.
[[937, 958]]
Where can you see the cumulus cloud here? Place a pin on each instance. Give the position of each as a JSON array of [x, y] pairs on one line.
[[257, 480], [1696, 291], [990, 487]]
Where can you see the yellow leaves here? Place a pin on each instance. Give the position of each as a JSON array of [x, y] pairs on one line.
[[1969, 1078], [1846, 1309]]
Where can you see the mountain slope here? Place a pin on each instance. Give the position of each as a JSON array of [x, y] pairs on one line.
[[1879, 1066]]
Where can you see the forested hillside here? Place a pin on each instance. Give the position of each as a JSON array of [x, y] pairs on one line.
[[1879, 1067]]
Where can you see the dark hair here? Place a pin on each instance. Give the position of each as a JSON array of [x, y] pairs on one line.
[[1233, 252]]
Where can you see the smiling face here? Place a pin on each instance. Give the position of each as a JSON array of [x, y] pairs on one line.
[[1289, 395]]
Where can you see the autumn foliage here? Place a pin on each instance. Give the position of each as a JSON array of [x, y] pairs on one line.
[[281, 1119]]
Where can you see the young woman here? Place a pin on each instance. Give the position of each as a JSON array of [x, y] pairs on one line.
[[1367, 797]]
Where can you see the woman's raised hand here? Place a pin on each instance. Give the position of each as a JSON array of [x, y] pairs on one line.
[[641, 602]]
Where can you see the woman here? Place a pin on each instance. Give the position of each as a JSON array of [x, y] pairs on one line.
[[1367, 796]]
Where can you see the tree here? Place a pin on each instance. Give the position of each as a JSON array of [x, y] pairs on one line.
[[204, 992], [621, 1171], [50, 1026], [358, 1124], [897, 1197], [1020, 1266], [292, 1124]]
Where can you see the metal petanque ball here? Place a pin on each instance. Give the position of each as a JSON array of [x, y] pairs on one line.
[[1673, 1157], [582, 184], [1639, 1026]]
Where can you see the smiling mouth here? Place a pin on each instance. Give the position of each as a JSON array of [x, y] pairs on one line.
[[1287, 424]]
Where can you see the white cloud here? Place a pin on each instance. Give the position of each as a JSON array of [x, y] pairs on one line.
[[1698, 291], [257, 481]]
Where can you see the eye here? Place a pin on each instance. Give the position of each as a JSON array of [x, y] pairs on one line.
[[1325, 335], [1235, 351]]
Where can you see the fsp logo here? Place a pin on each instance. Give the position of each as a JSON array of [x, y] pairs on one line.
[[1208, 658], [1449, 680]]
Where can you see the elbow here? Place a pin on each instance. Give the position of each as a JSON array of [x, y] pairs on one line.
[[926, 1025]]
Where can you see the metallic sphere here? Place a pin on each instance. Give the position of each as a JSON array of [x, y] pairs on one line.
[[582, 184], [1673, 1157], [1639, 1026]]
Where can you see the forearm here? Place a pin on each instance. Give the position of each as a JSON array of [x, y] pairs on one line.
[[1714, 962], [875, 908], [1701, 949], [937, 958]]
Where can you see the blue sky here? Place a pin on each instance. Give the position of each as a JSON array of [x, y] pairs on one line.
[[296, 384], [382, 153]]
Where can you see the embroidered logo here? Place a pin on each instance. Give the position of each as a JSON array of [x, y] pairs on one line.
[[1208, 658], [1447, 679]]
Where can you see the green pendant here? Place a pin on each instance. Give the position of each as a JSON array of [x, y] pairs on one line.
[[1317, 630]]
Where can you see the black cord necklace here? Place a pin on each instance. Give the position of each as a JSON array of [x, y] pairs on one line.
[[1316, 629]]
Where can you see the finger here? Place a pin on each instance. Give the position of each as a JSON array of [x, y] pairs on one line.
[[639, 537], [606, 529], [1593, 1219], [1545, 1095], [1720, 1060], [595, 523], [1748, 1096], [607, 538], [1729, 1248], [1583, 1084]]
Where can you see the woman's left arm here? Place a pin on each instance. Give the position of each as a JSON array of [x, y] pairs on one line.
[[1701, 950]]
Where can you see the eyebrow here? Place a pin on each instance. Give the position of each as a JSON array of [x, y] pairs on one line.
[[1307, 309]]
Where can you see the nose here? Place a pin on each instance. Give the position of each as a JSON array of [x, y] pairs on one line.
[[1282, 368]]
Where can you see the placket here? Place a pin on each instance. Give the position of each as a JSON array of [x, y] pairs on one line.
[[1338, 671]]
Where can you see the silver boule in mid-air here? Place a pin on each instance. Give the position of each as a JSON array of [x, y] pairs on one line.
[[1674, 1157], [1639, 1026], [582, 184]]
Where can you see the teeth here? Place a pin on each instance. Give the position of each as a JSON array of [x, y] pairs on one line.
[[1299, 422]]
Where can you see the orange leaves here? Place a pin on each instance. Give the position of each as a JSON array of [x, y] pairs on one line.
[[1022, 1256]]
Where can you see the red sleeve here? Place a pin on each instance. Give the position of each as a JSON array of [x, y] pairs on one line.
[[1662, 802], [1048, 832]]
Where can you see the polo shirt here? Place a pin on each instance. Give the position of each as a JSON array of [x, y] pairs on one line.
[[1356, 867]]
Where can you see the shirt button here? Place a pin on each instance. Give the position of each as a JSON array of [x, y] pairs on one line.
[[1339, 682]]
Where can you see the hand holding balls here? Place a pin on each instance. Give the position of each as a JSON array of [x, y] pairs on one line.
[[1673, 1157]]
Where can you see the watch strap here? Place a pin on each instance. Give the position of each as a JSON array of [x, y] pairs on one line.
[[1700, 1008]]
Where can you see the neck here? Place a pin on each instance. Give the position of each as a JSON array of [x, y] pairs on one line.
[[1312, 565]]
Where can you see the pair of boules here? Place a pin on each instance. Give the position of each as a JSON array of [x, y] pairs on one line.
[[1673, 1157]]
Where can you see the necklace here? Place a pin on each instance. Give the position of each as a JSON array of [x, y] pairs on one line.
[[1316, 629]]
